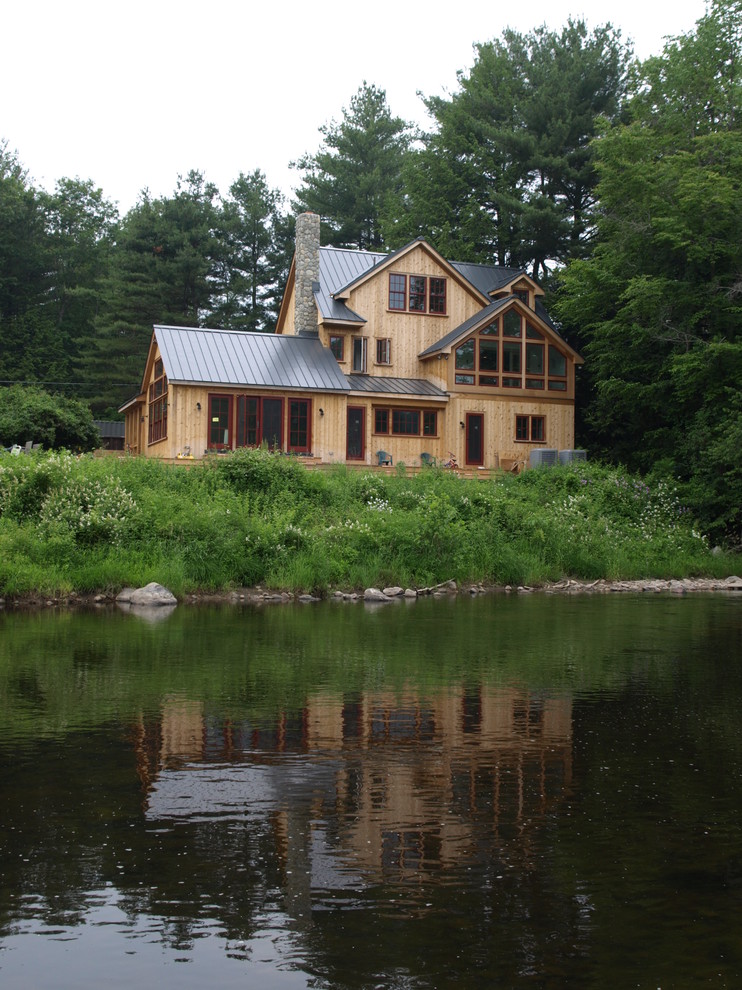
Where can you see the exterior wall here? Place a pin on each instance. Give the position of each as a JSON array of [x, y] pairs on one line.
[[135, 437], [188, 425], [500, 446], [410, 333], [404, 449]]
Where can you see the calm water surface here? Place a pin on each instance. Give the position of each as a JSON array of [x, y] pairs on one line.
[[501, 792]]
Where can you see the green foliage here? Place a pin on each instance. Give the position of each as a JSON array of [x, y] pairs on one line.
[[354, 181], [260, 518], [509, 172], [656, 309], [253, 267], [56, 422]]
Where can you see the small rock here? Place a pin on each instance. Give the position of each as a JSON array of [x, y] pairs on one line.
[[410, 593], [306, 599], [394, 592]]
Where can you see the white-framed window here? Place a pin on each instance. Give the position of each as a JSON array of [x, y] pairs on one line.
[[384, 350], [360, 355]]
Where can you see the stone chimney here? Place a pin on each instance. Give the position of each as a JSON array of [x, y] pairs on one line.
[[306, 272]]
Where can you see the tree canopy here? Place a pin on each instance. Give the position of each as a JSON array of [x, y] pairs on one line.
[[657, 306], [507, 174], [354, 181]]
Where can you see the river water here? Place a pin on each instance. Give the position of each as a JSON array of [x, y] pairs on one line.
[[526, 791]]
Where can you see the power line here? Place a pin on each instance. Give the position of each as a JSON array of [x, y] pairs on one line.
[[16, 381]]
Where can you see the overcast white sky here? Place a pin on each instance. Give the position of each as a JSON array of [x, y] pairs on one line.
[[134, 94]]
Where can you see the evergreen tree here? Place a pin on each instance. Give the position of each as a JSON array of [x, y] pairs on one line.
[[508, 173], [246, 274], [163, 270], [354, 180]]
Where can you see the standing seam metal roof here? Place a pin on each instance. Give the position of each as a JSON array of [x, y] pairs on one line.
[[395, 386], [230, 357]]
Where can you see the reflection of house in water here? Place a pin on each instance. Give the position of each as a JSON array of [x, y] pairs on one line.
[[378, 785]]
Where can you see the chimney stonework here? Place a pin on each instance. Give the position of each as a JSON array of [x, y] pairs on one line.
[[306, 272]]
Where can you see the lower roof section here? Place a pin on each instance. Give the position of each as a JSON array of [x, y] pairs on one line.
[[418, 388]]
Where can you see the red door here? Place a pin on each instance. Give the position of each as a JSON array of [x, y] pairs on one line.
[[474, 438]]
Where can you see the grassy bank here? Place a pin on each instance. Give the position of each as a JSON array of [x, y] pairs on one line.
[[85, 524]]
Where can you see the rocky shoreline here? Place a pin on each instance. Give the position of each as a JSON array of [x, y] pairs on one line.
[[155, 595]]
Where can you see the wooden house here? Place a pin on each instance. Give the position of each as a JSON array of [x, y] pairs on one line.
[[400, 357]]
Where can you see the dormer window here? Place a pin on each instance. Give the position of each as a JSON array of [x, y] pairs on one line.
[[417, 294]]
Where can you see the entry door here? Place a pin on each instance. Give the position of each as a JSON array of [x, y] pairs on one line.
[[259, 420], [355, 447], [474, 438], [273, 423]]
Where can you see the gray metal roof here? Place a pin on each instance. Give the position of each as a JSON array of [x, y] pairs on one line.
[[110, 427], [337, 268], [395, 386], [486, 278], [231, 357]]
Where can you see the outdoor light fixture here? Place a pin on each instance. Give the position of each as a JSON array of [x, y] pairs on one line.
[[322, 412], [462, 425], [198, 406]]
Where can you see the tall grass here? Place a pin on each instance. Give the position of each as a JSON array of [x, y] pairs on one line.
[[85, 524]]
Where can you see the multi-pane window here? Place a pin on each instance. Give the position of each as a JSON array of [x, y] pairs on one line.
[[430, 424], [557, 370], [530, 428], [437, 297], [417, 294], [337, 346], [157, 429], [406, 422], [511, 353], [381, 421], [220, 409], [397, 292], [384, 351]]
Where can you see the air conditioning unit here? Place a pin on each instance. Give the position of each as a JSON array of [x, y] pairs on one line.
[[544, 457], [567, 456]]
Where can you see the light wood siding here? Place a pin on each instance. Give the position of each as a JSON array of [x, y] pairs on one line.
[[410, 333], [188, 425], [404, 449], [500, 444]]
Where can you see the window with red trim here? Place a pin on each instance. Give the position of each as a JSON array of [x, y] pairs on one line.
[[397, 292], [437, 302], [157, 427], [424, 295], [530, 429], [418, 293], [300, 425]]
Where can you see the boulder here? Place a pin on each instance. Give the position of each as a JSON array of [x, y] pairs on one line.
[[375, 595], [153, 594]]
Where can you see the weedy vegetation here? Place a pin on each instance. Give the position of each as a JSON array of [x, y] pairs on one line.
[[88, 524]]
